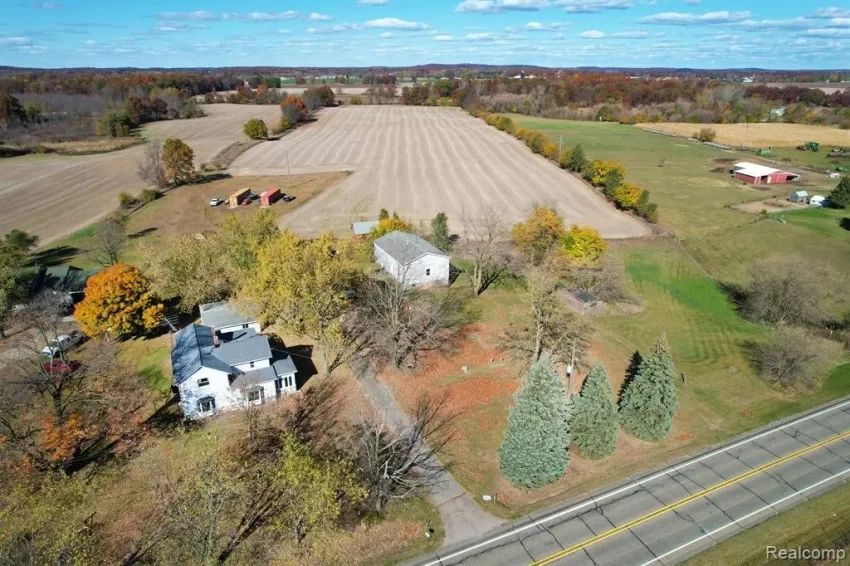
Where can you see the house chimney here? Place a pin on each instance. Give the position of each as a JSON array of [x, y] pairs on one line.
[[215, 340]]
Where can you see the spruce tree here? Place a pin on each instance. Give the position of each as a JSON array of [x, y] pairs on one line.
[[594, 420], [840, 195], [577, 161], [534, 451], [649, 401]]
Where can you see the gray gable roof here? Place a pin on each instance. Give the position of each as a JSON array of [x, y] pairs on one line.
[[219, 315], [405, 247], [193, 349], [283, 364], [254, 377], [246, 346]]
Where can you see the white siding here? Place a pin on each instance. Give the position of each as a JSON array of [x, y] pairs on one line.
[[257, 365], [218, 388], [429, 269], [255, 326]]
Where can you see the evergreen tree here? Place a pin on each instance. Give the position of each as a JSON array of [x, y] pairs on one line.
[[534, 451], [613, 179], [440, 231], [594, 421], [383, 215], [840, 195], [649, 401], [577, 161]]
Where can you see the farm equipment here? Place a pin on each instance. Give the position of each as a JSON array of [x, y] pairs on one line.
[[765, 152], [842, 169], [840, 153], [809, 146]]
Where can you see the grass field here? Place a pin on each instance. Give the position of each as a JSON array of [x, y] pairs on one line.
[[186, 210], [823, 522], [760, 135]]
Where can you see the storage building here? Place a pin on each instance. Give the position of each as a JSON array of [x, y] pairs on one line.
[[238, 197], [760, 174], [269, 197], [411, 260]]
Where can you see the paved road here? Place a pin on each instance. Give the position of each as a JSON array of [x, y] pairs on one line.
[[462, 518], [672, 514]]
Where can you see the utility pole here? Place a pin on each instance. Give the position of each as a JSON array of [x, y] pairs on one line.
[[570, 369], [560, 143], [288, 176]]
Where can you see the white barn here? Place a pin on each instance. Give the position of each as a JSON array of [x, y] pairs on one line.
[[412, 260], [216, 369]]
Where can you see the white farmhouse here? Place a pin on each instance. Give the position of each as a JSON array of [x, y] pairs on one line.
[[215, 371], [412, 260]]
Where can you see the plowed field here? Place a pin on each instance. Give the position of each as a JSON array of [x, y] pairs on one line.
[[53, 196], [418, 161]]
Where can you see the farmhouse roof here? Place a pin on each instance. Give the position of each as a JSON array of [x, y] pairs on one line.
[[220, 315], [193, 349], [363, 228], [283, 364], [405, 247], [245, 346], [254, 377], [753, 169]]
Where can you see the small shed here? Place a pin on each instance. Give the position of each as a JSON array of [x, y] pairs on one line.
[[363, 228], [798, 196], [269, 197], [760, 174], [817, 201], [238, 197]]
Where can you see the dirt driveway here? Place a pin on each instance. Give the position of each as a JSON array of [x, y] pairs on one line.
[[419, 161]]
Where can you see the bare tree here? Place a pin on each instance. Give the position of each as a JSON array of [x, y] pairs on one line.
[[402, 321], [484, 243], [109, 240], [787, 290], [606, 281], [795, 357], [399, 462], [152, 170], [552, 326]]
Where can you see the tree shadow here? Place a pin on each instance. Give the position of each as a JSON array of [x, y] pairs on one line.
[[204, 179], [631, 372], [55, 256], [454, 273], [302, 357], [845, 223], [141, 233], [736, 294]]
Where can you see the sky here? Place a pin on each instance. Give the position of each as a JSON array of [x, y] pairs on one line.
[[771, 34]]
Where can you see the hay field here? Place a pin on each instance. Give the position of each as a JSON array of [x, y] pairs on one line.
[[52, 195], [760, 135], [418, 161]]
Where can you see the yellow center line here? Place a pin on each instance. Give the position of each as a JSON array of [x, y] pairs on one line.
[[649, 516]]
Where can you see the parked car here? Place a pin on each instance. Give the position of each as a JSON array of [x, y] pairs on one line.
[[60, 368], [216, 201], [62, 344], [253, 196], [287, 198]]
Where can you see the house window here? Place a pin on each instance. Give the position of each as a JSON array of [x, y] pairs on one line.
[[287, 381], [255, 394], [206, 405], [427, 272], [251, 364], [203, 382], [244, 327]]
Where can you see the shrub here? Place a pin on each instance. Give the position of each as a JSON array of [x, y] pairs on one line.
[[583, 245], [388, 225], [599, 169], [126, 200], [705, 135], [535, 141], [787, 290], [794, 357], [356, 100], [564, 158], [626, 196], [505, 124], [577, 161], [550, 150], [256, 129], [520, 134], [148, 196], [115, 124]]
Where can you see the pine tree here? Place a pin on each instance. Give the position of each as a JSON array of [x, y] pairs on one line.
[[440, 232], [534, 451], [383, 215], [840, 195], [577, 161], [594, 421], [649, 401]]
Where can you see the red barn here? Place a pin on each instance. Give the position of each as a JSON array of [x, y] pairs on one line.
[[269, 197], [761, 175]]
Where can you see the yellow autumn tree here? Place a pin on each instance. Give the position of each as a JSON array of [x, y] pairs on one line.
[[307, 283], [535, 237], [626, 196], [598, 171], [387, 225], [118, 302], [583, 245]]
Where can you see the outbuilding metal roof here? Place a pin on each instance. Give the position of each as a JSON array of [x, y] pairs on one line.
[[405, 247], [363, 228], [220, 315], [753, 169]]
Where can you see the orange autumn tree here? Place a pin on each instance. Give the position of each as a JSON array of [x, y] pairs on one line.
[[118, 302], [539, 234]]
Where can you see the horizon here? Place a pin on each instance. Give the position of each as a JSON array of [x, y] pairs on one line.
[[608, 34]]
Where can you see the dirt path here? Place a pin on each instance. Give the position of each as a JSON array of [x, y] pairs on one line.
[[54, 196], [418, 161]]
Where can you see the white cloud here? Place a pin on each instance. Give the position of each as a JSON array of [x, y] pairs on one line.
[[48, 5], [483, 6], [828, 32], [691, 2], [634, 34], [317, 17], [688, 19], [373, 2], [494, 6], [591, 34], [387, 35], [538, 26], [794, 23], [592, 6], [395, 23], [261, 16], [15, 40], [831, 13], [196, 15], [336, 28], [491, 37], [523, 5], [443, 37]]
